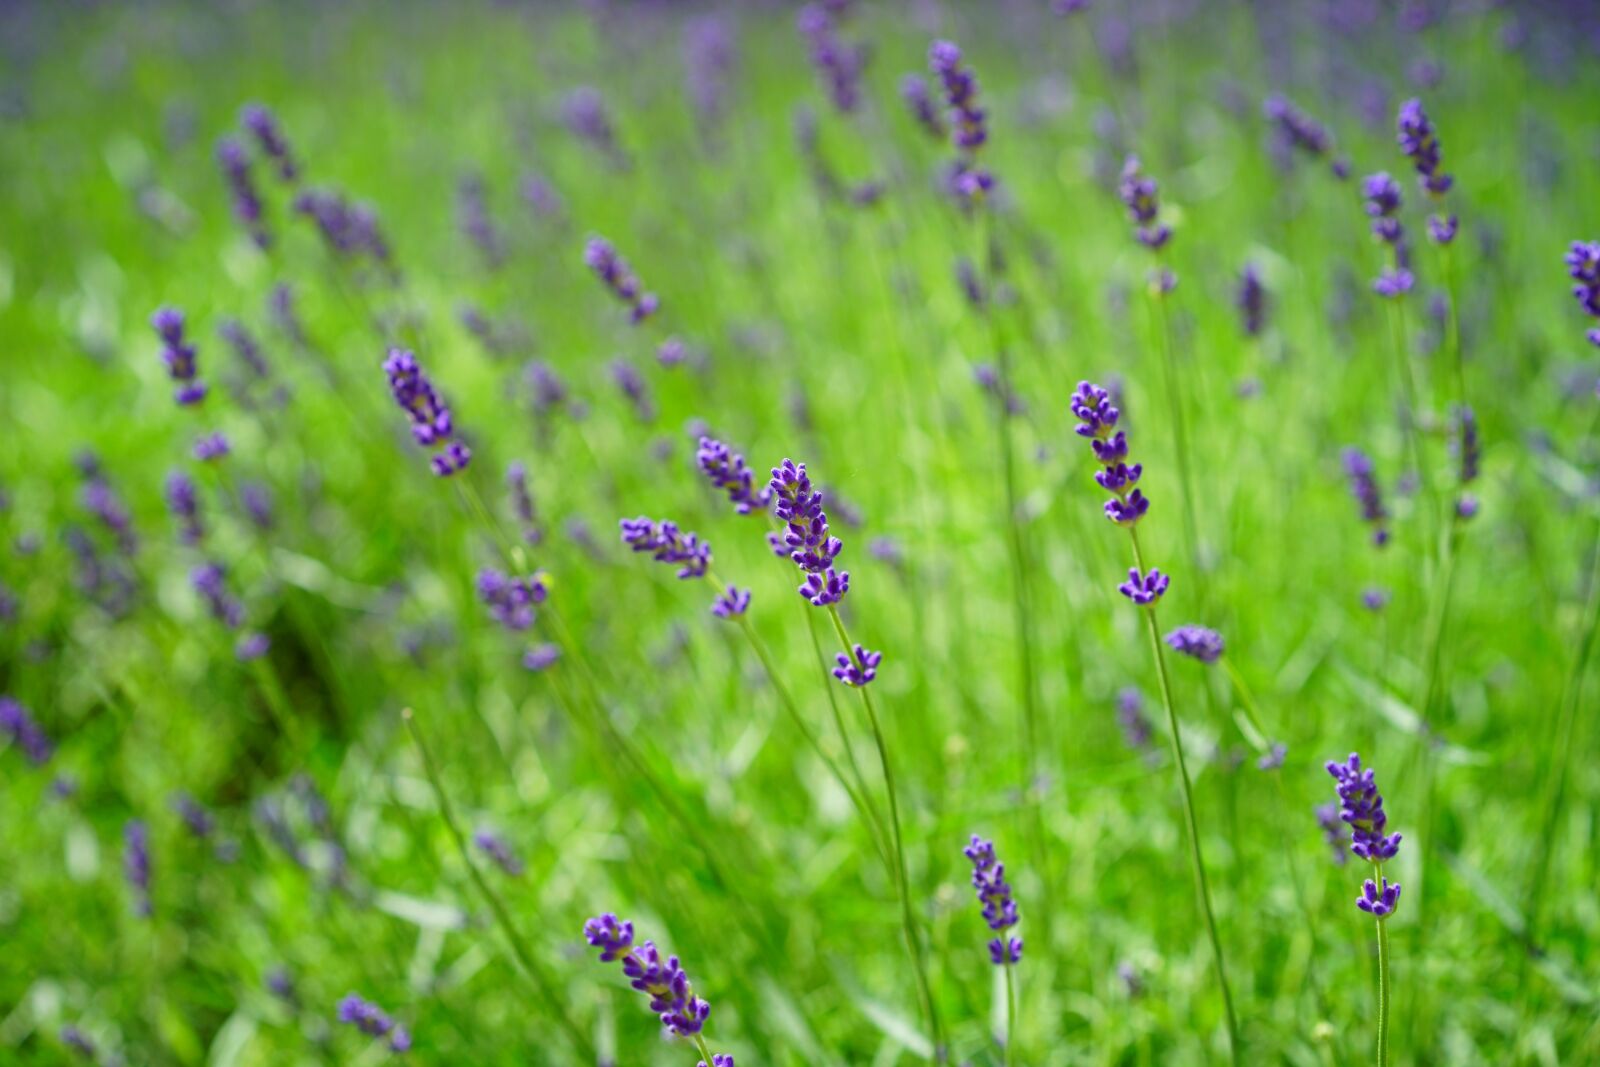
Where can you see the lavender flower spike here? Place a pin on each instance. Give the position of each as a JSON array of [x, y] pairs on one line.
[[613, 270], [839, 64], [1252, 300], [994, 893], [969, 129], [178, 355], [668, 544], [497, 849], [731, 603], [235, 165], [373, 1021], [25, 733], [136, 864], [262, 124], [726, 470], [1138, 195], [431, 424], [1361, 807], [1364, 485], [184, 503], [1419, 141], [811, 545], [1583, 265], [671, 995], [914, 91], [1197, 642], [858, 670], [1097, 419]]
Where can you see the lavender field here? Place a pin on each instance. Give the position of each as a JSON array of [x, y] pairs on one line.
[[1026, 533]]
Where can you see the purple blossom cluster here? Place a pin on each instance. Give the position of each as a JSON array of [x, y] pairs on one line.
[[919, 102], [999, 906], [431, 424], [25, 732], [1097, 419], [1196, 642], [184, 502], [671, 994], [668, 544], [1359, 468], [857, 670], [602, 258], [262, 125], [497, 849], [809, 542], [234, 162], [1296, 128], [1583, 267], [210, 580], [1469, 459], [179, 356], [1382, 200], [1420, 142], [1252, 300], [373, 1021], [522, 503], [245, 346], [969, 130], [1361, 808], [839, 64], [511, 599], [136, 864], [350, 230], [727, 471], [586, 115], [1138, 193]]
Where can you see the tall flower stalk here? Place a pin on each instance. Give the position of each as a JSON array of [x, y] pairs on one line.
[[1361, 808], [813, 549], [1097, 421]]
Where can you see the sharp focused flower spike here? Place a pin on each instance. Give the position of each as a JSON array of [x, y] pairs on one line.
[[431, 423], [994, 893], [671, 994]]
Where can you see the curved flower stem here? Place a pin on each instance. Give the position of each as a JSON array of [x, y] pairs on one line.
[[1383, 986], [1197, 859], [546, 987], [705, 1053], [1011, 1016], [868, 815], [902, 880], [1021, 598]]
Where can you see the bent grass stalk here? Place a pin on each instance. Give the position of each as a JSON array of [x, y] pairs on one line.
[[547, 988], [902, 879], [1196, 857]]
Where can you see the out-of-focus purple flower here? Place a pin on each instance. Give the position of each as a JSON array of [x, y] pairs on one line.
[[1374, 599], [726, 470], [78, 1041], [1297, 128], [1252, 300], [196, 819], [858, 669], [1361, 808], [373, 1021], [1419, 141], [1334, 832], [105, 504], [262, 124], [1442, 229], [969, 129], [1132, 984], [731, 603], [472, 214], [1358, 467], [522, 503], [668, 544], [541, 657], [919, 101], [671, 995], [708, 59], [210, 581], [1138, 193], [634, 388], [1136, 728], [257, 501], [602, 258], [251, 646], [25, 733], [1273, 758], [838, 63], [184, 502], [244, 346], [511, 599], [136, 864], [431, 424], [999, 906], [1196, 642], [280, 984], [1583, 266], [247, 209], [210, 446], [496, 848], [350, 230], [178, 355], [1382, 195], [541, 196], [672, 352], [585, 113], [280, 305], [1393, 282], [718, 1060], [1469, 456], [549, 392]]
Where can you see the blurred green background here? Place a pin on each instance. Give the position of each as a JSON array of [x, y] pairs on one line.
[[834, 332]]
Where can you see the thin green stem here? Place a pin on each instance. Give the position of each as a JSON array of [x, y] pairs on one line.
[[1011, 1016], [705, 1053], [867, 814], [1180, 437], [1383, 986], [1197, 859], [902, 879], [547, 988]]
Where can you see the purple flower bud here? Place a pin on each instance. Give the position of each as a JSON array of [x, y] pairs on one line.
[[731, 603], [373, 1021], [1196, 642], [857, 670], [726, 470], [211, 446], [667, 544], [184, 503], [671, 994], [262, 124], [541, 657], [178, 355], [1361, 808], [498, 850], [1358, 467], [994, 893], [1379, 904], [136, 864], [1418, 140], [431, 424], [247, 208], [25, 733], [602, 258], [1146, 589]]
